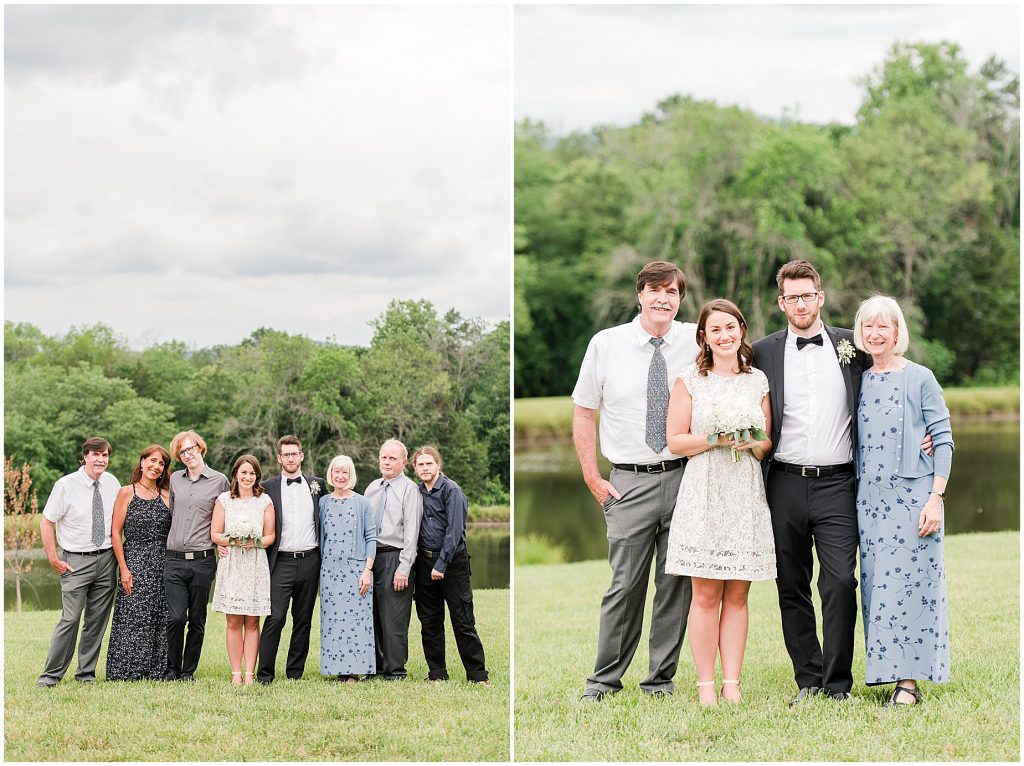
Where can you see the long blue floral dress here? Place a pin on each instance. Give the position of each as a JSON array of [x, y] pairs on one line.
[[903, 578], [346, 618]]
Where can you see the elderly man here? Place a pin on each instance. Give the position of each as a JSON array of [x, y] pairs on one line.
[[397, 506], [294, 559], [77, 517], [191, 562], [627, 375]]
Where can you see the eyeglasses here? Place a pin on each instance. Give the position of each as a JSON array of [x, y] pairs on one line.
[[186, 451], [805, 297], [290, 454]]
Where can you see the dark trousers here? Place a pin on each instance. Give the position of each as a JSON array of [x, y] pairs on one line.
[[818, 513], [89, 589], [188, 585], [295, 580], [391, 614], [431, 596], [638, 530]]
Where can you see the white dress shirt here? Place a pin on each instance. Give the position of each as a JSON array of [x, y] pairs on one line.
[[816, 417], [69, 506], [400, 524], [613, 380], [298, 532]]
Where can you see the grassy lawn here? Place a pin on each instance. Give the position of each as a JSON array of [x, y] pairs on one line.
[[975, 717], [308, 720], [490, 514], [550, 417]]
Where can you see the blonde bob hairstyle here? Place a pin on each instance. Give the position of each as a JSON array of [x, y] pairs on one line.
[[888, 310], [342, 461]]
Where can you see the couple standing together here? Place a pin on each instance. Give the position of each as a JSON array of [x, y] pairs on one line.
[[729, 518]]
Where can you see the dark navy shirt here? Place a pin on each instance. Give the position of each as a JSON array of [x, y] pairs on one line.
[[443, 527]]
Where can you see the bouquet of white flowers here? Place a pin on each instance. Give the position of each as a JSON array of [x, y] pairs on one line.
[[240, 531], [741, 424]]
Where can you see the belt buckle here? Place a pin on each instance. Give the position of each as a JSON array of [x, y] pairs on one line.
[[655, 467], [189, 556], [805, 475]]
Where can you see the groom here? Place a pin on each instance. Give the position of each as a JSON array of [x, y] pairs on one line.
[[814, 374], [294, 559], [640, 494]]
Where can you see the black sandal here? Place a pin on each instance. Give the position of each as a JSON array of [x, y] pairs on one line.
[[916, 694]]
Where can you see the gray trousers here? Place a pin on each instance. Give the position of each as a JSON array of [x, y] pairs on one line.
[[391, 614], [638, 527], [90, 589]]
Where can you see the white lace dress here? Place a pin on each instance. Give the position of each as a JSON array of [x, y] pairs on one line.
[[243, 576], [721, 526]]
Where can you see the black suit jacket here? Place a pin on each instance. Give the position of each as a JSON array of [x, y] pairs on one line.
[[272, 487], [769, 357]]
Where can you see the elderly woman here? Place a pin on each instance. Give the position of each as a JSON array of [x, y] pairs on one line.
[[899, 507], [348, 544]]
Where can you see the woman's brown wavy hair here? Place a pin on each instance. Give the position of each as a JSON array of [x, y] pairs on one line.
[[704, 360], [164, 481]]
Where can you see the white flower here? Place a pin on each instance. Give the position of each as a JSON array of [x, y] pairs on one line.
[[846, 351], [314, 488], [744, 423]]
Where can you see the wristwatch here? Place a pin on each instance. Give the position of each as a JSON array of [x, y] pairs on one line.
[[940, 494]]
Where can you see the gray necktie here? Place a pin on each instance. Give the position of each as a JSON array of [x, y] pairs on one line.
[[379, 516], [657, 399], [98, 527]]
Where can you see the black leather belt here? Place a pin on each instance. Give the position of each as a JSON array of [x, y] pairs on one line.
[[813, 471], [298, 554], [89, 553], [664, 465], [191, 555], [386, 548]]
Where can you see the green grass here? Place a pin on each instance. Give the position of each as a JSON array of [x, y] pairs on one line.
[[309, 720], [975, 717], [549, 418], [535, 549], [490, 514]]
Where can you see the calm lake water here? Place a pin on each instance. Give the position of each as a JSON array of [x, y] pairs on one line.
[[983, 496], [488, 545]]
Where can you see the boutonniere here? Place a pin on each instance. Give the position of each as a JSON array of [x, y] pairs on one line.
[[314, 488], [846, 351]]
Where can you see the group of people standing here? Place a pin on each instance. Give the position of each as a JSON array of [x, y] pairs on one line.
[[163, 542], [734, 462]]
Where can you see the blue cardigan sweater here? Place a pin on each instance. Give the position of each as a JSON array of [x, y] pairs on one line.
[[365, 540], [924, 410]]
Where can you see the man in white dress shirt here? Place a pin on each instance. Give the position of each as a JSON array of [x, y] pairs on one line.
[[397, 507], [77, 517], [294, 559], [626, 375]]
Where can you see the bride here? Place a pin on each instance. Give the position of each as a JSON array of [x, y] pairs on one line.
[[721, 533]]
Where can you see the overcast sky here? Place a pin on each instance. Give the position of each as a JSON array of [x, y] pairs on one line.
[[195, 172], [579, 66]]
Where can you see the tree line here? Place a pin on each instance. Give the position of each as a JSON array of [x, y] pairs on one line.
[[919, 199], [425, 378]]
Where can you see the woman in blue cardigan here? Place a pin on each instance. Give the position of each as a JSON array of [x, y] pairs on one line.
[[900, 507], [348, 544]]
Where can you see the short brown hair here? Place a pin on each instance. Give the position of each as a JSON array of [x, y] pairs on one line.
[[797, 270], [705, 359], [96, 444], [257, 488], [658, 273], [428, 449], [289, 439], [165, 478], [177, 440]]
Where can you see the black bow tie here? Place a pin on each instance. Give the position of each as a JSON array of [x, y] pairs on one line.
[[294, 481], [817, 340]]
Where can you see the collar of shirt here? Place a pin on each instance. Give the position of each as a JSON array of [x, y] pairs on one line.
[[643, 337], [441, 480], [792, 336], [205, 473], [88, 481]]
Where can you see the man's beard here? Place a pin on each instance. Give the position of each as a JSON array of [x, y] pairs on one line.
[[804, 322]]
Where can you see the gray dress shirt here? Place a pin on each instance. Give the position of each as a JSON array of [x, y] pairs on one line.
[[400, 525], [192, 508]]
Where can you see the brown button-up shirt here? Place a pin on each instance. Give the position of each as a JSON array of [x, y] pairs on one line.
[[192, 508]]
